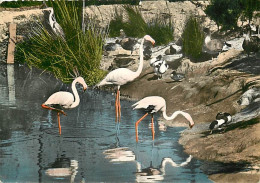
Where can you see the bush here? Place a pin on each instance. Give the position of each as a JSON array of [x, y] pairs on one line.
[[193, 39], [226, 12], [160, 29], [19, 3], [116, 24], [79, 50]]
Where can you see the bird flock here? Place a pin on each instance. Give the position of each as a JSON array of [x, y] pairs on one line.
[[151, 104]]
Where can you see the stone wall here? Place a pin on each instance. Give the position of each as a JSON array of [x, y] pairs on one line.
[[178, 12]]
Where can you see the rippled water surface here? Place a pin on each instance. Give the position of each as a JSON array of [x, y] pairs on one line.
[[91, 148]]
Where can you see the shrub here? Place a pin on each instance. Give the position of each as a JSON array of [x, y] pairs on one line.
[[116, 24], [19, 3], [160, 29], [135, 26], [80, 50], [193, 39]]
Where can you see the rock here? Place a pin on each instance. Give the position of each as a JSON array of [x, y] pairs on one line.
[[147, 53], [128, 43], [123, 62], [170, 51], [252, 95], [171, 58], [111, 47], [235, 44]]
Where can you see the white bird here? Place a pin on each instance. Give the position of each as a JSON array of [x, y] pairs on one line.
[[62, 99], [221, 119], [160, 66], [122, 76], [153, 104], [57, 29]]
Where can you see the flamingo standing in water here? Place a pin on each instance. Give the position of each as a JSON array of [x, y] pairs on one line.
[[154, 104], [62, 99], [122, 76]]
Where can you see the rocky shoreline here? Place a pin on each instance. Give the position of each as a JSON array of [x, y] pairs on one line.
[[210, 87]]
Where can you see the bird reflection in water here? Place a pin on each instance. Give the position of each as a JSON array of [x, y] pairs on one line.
[[152, 174], [149, 174], [63, 168]]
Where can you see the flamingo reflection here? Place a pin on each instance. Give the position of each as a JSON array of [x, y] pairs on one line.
[[63, 168], [148, 174]]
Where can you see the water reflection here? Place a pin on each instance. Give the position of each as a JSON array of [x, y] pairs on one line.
[[91, 147], [11, 84], [63, 167]]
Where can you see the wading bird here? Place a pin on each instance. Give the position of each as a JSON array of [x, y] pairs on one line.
[[154, 104], [122, 76], [56, 28], [62, 99]]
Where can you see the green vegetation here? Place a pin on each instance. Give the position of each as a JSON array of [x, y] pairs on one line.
[[19, 3], [226, 12], [160, 29], [116, 24], [193, 39], [28, 3], [79, 50]]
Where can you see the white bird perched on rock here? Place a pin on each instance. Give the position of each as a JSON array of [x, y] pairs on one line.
[[212, 46], [160, 66], [153, 104], [62, 99], [221, 119], [122, 76]]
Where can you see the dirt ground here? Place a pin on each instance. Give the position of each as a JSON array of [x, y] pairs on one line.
[[203, 96]]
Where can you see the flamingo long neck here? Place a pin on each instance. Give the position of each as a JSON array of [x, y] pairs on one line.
[[76, 95], [141, 63], [174, 115]]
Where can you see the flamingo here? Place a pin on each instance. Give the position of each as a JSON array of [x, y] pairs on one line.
[[153, 104], [62, 99], [122, 76]]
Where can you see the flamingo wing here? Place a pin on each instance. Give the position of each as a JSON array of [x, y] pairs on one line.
[[156, 102], [64, 99], [119, 76]]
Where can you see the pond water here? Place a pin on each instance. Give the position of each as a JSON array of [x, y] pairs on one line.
[[91, 148]]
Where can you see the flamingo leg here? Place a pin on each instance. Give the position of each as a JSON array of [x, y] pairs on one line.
[[136, 126], [116, 106], [59, 122], [119, 106], [152, 126]]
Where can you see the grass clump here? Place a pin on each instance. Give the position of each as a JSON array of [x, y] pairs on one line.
[[19, 4], [193, 39], [80, 49], [160, 29]]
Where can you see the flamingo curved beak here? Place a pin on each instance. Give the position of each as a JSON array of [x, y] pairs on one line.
[[191, 125], [84, 89]]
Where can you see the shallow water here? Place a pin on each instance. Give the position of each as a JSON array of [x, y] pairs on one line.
[[91, 148]]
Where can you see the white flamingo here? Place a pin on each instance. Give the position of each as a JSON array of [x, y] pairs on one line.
[[122, 76], [153, 104], [62, 99]]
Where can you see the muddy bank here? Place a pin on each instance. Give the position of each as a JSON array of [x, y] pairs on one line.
[[209, 88]]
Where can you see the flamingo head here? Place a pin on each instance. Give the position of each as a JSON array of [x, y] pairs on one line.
[[149, 38], [81, 81]]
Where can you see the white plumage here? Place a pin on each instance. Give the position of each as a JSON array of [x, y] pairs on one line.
[[160, 66], [62, 99], [122, 76], [57, 29], [153, 104]]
